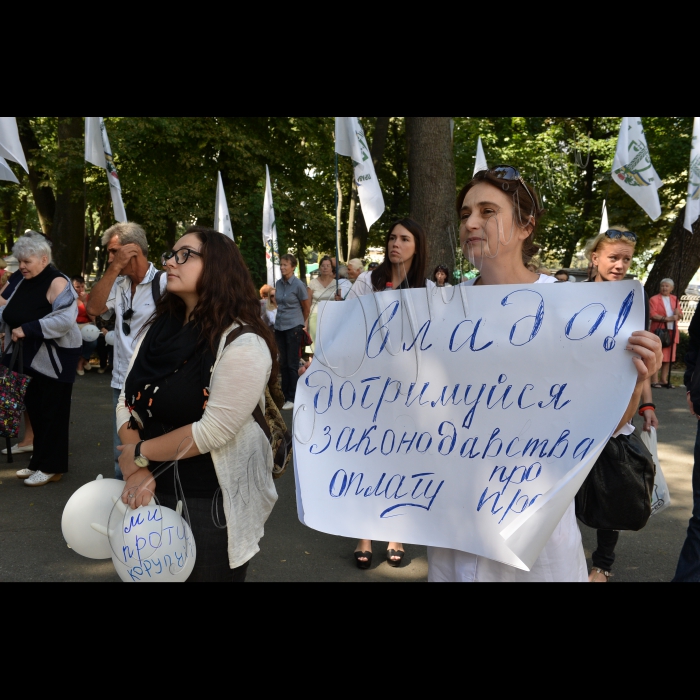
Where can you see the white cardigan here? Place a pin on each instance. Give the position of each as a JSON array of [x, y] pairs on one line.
[[241, 453]]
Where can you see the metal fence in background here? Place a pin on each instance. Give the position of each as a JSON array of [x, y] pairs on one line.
[[689, 305]]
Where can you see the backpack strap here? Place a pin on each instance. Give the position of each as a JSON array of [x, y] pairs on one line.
[[155, 287], [258, 415]]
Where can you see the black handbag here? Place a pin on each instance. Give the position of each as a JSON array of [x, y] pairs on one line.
[[666, 336], [618, 492]]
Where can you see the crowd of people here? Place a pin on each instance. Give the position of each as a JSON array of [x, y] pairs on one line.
[[178, 342]]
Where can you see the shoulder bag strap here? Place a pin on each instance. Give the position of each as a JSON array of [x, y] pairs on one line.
[[17, 355], [258, 415], [155, 287]]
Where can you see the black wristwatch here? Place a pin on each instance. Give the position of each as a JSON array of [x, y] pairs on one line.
[[140, 460]]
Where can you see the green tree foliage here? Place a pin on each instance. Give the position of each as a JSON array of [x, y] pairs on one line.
[[570, 160], [168, 168]]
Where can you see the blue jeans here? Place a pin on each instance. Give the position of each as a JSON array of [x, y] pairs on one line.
[[689, 565], [117, 471]]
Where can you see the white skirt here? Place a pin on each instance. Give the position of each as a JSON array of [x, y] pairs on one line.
[[562, 561]]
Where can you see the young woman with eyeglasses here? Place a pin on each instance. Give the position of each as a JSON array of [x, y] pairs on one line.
[[499, 215], [190, 395]]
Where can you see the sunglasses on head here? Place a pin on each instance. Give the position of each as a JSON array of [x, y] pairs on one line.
[[614, 235], [506, 173]]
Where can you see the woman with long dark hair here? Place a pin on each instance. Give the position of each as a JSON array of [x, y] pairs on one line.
[[405, 262], [191, 395], [403, 268]]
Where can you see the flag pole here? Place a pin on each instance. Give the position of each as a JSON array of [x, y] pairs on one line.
[[337, 229], [84, 217]]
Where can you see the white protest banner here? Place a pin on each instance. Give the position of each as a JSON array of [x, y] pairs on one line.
[[350, 141], [481, 162], [692, 209], [633, 169], [222, 217], [464, 418], [272, 251], [6, 172], [98, 151], [10, 145]]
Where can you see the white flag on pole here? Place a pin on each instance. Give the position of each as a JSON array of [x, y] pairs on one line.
[[633, 170], [481, 163], [605, 224], [6, 172], [692, 209], [222, 219], [350, 141], [99, 152], [272, 252], [10, 145]]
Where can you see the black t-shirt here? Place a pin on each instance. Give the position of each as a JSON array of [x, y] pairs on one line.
[[178, 401]]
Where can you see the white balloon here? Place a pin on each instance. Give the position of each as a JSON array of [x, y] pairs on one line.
[[93, 503], [90, 333], [111, 338], [151, 545]]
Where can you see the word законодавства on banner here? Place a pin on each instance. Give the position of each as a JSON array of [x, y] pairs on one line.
[[465, 418]]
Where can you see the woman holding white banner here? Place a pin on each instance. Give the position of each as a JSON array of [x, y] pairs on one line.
[[406, 256], [499, 215]]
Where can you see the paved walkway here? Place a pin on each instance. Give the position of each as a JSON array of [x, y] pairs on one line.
[[32, 547]]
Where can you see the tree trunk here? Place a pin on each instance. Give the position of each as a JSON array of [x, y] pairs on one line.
[[171, 233], [358, 249], [588, 199], [68, 230], [433, 182], [44, 198], [679, 260]]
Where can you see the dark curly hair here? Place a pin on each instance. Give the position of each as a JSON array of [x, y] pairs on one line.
[[227, 295]]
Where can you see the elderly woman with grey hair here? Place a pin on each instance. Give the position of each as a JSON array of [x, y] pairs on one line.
[[666, 314], [39, 321]]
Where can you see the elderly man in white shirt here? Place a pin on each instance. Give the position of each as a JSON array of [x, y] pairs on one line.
[[130, 288]]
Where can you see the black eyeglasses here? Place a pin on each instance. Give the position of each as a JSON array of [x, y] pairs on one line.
[[126, 323], [614, 235], [181, 256]]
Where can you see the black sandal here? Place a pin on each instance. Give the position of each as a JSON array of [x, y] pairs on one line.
[[364, 565], [393, 553]]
